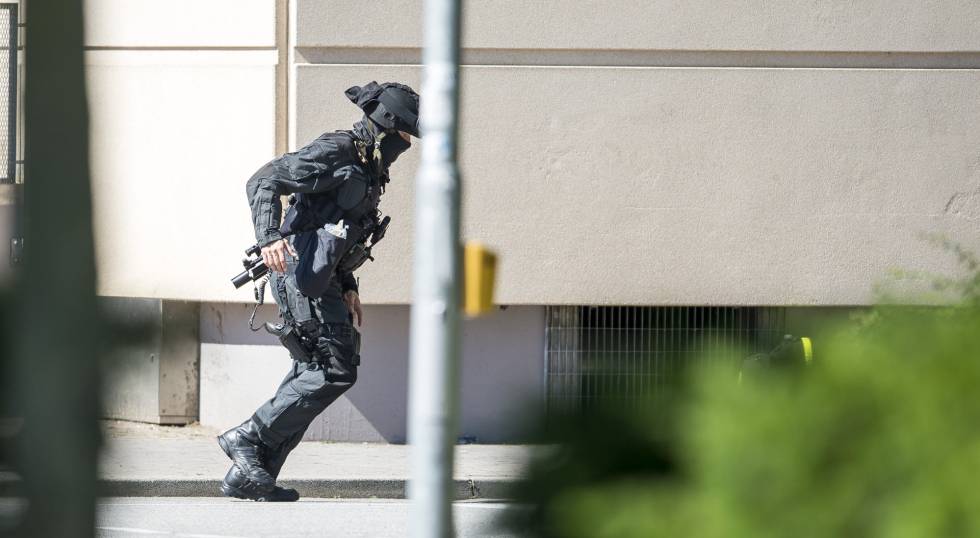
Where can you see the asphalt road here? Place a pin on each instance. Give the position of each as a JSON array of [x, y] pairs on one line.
[[197, 517]]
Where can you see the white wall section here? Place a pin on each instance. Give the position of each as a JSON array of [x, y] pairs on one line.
[[501, 379], [182, 99], [180, 23]]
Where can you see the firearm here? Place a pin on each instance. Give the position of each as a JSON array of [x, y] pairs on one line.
[[254, 267]]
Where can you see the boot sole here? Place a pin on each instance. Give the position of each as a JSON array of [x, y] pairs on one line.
[[232, 491]]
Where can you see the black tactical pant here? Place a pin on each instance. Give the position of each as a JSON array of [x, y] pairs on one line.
[[306, 391], [309, 388]]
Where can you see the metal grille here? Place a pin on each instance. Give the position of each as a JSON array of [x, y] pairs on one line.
[[8, 93], [611, 353]]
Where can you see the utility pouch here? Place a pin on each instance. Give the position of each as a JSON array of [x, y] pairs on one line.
[[291, 341]]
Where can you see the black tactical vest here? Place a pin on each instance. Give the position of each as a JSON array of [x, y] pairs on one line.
[[331, 229], [355, 200]]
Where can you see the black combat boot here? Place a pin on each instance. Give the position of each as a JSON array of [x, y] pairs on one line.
[[243, 446], [235, 485], [273, 464], [274, 460]]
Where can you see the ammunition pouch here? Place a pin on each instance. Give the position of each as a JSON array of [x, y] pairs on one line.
[[360, 251], [354, 258]]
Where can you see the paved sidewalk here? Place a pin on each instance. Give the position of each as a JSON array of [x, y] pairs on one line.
[[140, 460]]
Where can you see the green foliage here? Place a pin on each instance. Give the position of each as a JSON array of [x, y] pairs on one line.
[[879, 437], [934, 288]]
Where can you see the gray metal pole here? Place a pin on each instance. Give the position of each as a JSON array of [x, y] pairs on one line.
[[433, 376]]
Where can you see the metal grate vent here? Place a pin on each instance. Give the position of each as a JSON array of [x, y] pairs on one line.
[[8, 93], [612, 353]]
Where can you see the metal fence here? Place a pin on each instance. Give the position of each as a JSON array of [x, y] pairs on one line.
[[611, 353], [8, 93]]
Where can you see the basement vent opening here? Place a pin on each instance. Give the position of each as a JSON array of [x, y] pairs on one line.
[[620, 354]]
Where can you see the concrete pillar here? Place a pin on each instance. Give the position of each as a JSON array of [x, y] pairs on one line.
[[155, 377]]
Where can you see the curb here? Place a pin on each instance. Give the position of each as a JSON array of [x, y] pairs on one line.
[[312, 488]]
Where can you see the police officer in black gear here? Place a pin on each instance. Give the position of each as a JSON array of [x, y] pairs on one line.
[[329, 229]]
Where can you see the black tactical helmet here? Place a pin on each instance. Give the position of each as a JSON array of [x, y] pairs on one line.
[[390, 105]]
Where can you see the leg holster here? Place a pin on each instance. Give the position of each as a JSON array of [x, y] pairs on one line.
[[304, 333], [300, 328]]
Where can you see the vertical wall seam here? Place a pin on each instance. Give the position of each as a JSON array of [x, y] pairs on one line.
[[282, 75], [290, 76]]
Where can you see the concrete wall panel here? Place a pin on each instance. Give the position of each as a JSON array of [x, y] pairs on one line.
[[796, 25], [153, 376], [237, 379], [501, 379], [180, 23], [132, 372], [175, 136], [690, 186]]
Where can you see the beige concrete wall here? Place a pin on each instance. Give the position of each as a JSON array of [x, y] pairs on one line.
[[793, 25], [655, 153]]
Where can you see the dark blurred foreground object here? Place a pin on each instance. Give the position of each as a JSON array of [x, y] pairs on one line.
[[51, 371], [879, 438]]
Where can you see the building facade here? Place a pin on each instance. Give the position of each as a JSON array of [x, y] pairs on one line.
[[616, 154]]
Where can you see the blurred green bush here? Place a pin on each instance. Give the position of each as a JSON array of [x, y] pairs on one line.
[[879, 437]]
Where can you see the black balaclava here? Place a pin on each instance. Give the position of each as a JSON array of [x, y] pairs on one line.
[[392, 145], [383, 146], [388, 108]]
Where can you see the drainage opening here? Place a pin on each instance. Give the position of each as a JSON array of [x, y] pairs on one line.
[[620, 354]]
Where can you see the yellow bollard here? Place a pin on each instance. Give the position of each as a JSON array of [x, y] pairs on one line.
[[480, 267]]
